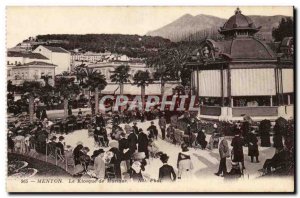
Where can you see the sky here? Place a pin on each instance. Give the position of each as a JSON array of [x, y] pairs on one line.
[[23, 22]]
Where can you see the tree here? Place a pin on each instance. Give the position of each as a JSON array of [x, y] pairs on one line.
[[97, 82], [162, 64], [32, 88], [284, 29], [121, 75], [10, 86], [92, 80], [67, 88], [169, 64], [142, 79]]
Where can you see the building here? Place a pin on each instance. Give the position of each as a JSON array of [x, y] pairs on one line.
[[240, 75], [15, 58], [32, 71], [106, 68], [57, 56]]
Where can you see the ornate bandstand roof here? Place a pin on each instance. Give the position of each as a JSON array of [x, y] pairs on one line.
[[239, 44], [237, 23]]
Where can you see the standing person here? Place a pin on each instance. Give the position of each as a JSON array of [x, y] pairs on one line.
[[100, 120], [60, 146], [184, 162], [70, 111], [132, 142], [153, 132], [38, 113], [171, 133], [135, 128], [79, 112], [166, 172], [44, 114], [99, 164], [124, 150], [238, 154], [201, 139], [143, 143], [253, 146], [116, 161], [162, 124], [224, 153]]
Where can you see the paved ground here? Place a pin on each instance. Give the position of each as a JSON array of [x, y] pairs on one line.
[[205, 162]]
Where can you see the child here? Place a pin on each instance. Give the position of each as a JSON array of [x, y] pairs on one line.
[[166, 172]]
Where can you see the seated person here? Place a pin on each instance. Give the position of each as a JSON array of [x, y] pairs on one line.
[[280, 158], [235, 172]]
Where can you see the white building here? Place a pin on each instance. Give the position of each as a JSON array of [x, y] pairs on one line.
[[57, 56], [106, 68], [14, 59], [32, 71]]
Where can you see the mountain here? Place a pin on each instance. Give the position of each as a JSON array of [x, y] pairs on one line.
[[199, 26], [186, 25]]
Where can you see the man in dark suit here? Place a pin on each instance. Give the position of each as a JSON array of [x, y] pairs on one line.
[[123, 145], [100, 120], [153, 132], [135, 128], [132, 141], [166, 172], [143, 143], [238, 154]]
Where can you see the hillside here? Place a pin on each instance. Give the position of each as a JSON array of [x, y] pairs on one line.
[[131, 45], [199, 26]]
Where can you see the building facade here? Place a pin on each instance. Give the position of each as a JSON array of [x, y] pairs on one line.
[[33, 71], [57, 56], [240, 75]]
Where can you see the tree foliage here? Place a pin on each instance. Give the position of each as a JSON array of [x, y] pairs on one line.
[[284, 29], [121, 74], [142, 78]]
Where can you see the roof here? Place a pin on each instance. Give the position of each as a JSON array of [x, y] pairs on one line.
[[38, 63], [239, 22], [246, 48], [26, 55], [56, 49]]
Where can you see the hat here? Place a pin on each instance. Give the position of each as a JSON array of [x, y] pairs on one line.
[[97, 152], [152, 122], [140, 130], [184, 147], [134, 123], [61, 137], [164, 157], [53, 138], [87, 149]]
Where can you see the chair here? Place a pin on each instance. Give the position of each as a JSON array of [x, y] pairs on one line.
[[70, 127], [56, 128], [69, 159]]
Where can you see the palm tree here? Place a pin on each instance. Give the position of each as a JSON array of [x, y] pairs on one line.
[[32, 88], [67, 88], [121, 75], [142, 79], [96, 82]]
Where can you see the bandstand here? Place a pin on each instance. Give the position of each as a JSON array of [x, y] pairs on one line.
[[241, 75]]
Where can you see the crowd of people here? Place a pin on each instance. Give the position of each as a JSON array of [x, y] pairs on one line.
[[127, 150]]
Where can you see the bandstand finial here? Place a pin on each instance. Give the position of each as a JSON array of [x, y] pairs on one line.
[[238, 11]]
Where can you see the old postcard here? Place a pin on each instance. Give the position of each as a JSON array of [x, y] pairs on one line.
[[150, 99]]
